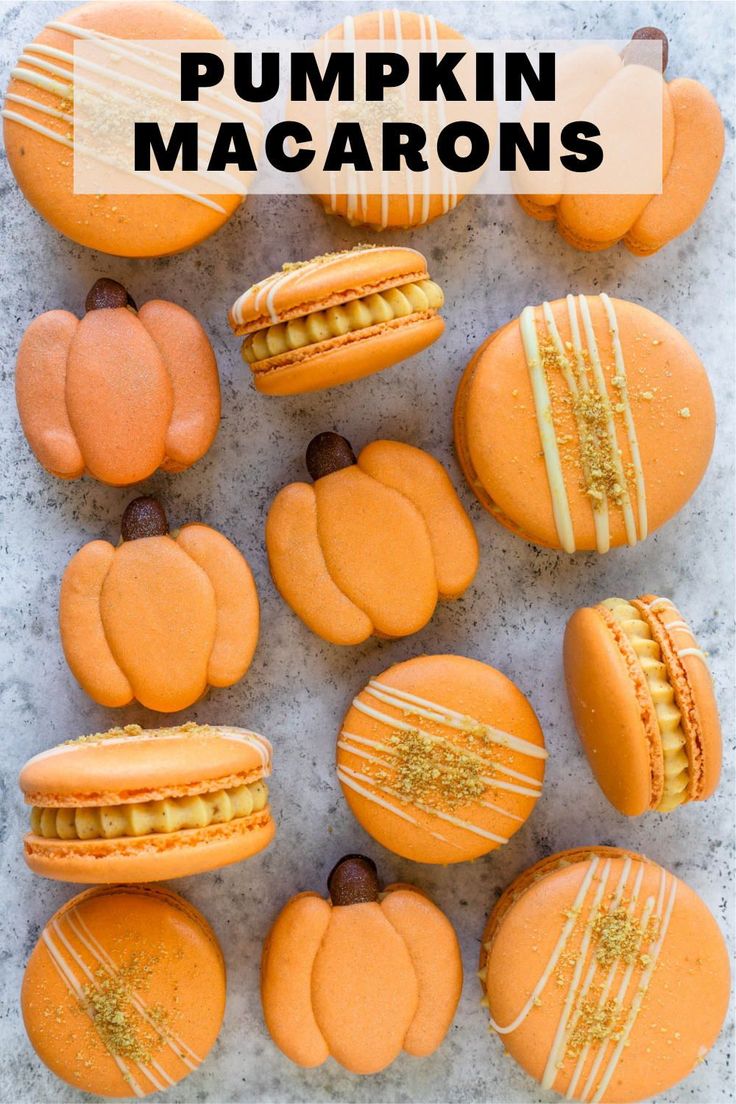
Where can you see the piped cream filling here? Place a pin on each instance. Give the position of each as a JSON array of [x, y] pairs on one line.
[[669, 718], [148, 817], [357, 314]]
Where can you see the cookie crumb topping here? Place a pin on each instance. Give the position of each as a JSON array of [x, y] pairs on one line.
[[431, 771]]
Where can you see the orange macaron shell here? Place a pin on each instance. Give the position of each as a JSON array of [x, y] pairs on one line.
[[694, 691], [607, 978], [347, 358], [615, 713], [360, 982], [134, 767], [132, 955], [418, 720], [124, 225], [497, 424]]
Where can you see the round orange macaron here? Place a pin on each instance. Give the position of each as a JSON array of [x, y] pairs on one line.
[[39, 132], [337, 318], [643, 702], [144, 805], [606, 977], [413, 200], [584, 424], [441, 758], [124, 993]]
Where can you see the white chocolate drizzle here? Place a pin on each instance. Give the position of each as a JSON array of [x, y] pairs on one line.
[[37, 55], [233, 735], [586, 908], [574, 368], [75, 973]]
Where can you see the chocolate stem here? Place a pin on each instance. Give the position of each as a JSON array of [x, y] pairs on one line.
[[653, 34], [108, 293], [327, 453], [143, 517], [353, 881]]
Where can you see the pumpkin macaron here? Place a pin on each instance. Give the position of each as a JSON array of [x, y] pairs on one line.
[[337, 318], [124, 992], [590, 84], [121, 392], [584, 424], [360, 976], [605, 976], [441, 758], [40, 137], [643, 702], [162, 616], [373, 544], [143, 805]]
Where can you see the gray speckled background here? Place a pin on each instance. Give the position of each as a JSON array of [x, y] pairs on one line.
[[492, 260]]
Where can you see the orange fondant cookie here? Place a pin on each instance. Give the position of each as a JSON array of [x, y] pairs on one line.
[[142, 805], [584, 424], [373, 544], [414, 203], [161, 617], [361, 976], [643, 702], [606, 977], [692, 147], [441, 758], [124, 993], [337, 318], [39, 132], [120, 393]]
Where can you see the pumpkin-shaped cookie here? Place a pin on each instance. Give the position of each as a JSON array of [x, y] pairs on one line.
[[597, 83], [161, 617], [120, 392], [361, 976], [372, 545]]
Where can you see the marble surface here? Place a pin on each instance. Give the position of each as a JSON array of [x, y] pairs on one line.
[[492, 260]]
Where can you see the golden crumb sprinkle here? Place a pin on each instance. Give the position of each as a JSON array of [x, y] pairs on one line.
[[596, 1023], [292, 266], [431, 771], [189, 728], [619, 937], [109, 1002], [684, 412]]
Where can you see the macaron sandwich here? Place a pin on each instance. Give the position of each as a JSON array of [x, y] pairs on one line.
[[643, 702], [339, 317], [136, 805]]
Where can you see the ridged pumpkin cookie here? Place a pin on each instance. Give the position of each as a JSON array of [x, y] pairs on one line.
[[643, 702], [441, 758], [161, 617], [693, 138], [584, 424], [119, 393], [606, 977], [360, 976], [373, 544], [124, 993]]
